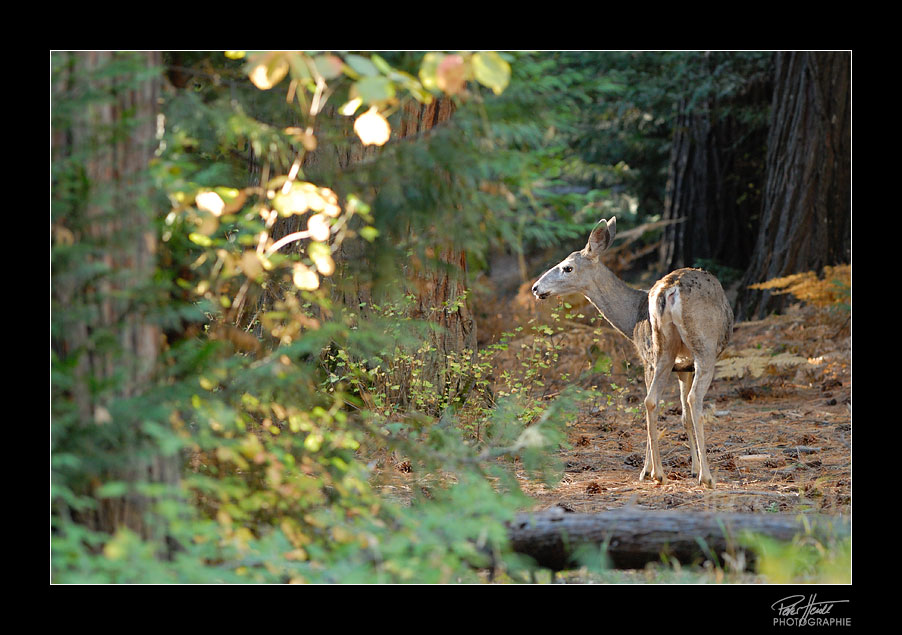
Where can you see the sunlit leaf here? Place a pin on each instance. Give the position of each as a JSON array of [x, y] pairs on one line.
[[235, 55], [303, 196], [351, 107], [382, 65], [200, 239], [314, 440], [268, 70], [232, 197], [357, 206], [369, 233], [210, 202], [321, 255], [372, 128], [304, 278], [429, 70], [318, 226], [491, 70]]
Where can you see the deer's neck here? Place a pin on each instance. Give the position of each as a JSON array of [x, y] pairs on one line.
[[618, 303]]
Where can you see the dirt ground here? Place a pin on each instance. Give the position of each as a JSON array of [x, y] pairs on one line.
[[776, 442]]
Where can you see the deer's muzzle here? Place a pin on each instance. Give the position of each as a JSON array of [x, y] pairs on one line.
[[539, 296]]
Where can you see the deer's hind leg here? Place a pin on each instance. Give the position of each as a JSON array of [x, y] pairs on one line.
[[704, 373], [685, 379], [656, 380]]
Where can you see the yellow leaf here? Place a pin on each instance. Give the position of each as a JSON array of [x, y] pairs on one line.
[[491, 70], [268, 70]]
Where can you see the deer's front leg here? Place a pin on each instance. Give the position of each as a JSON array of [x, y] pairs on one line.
[[646, 467]]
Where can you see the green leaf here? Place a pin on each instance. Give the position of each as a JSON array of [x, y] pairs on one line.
[[318, 250], [298, 66], [491, 70], [361, 65], [369, 233], [382, 65], [328, 65], [200, 239], [375, 89]]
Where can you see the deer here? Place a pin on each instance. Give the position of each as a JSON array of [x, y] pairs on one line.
[[682, 325]]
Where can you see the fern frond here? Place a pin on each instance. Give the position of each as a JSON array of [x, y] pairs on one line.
[[830, 289], [755, 362]]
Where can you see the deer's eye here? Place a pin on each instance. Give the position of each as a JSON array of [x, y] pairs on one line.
[[568, 269]]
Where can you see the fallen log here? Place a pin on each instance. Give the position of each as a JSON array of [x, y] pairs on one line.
[[633, 538]]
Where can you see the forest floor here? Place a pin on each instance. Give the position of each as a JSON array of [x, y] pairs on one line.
[[777, 425], [779, 442]]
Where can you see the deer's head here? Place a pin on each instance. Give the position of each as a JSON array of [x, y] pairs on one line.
[[573, 273]]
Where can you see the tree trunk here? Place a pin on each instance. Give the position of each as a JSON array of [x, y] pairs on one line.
[[632, 538], [807, 210], [105, 146], [439, 287], [440, 290], [716, 177]]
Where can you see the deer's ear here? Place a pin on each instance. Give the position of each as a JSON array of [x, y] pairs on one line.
[[601, 237]]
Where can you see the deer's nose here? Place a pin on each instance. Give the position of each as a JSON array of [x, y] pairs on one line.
[[535, 288]]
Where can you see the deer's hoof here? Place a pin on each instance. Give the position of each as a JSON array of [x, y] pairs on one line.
[[652, 475], [707, 480]]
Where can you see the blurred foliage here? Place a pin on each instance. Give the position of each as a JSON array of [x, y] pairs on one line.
[[278, 449], [804, 560]]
